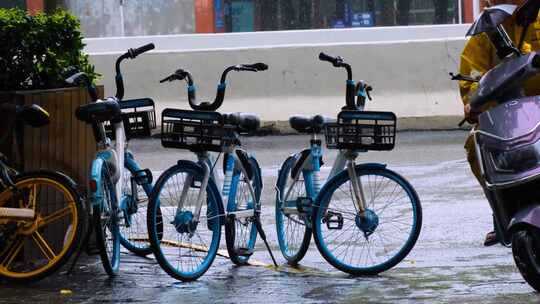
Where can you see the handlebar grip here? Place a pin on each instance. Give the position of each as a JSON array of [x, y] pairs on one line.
[[259, 66], [143, 49], [325, 57], [168, 78]]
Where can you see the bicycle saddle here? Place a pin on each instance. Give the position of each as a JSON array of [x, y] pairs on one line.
[[245, 122], [307, 124], [33, 115], [99, 112]]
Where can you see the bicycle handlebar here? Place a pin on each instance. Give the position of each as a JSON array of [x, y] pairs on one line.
[[333, 60], [143, 49], [81, 77], [131, 54], [181, 74], [350, 92]]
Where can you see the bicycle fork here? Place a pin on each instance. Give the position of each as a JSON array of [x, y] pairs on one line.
[[358, 197]]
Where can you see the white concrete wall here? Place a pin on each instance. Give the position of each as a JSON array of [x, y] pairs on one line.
[[409, 75]]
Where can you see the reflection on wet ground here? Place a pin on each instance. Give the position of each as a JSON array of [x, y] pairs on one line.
[[448, 264]]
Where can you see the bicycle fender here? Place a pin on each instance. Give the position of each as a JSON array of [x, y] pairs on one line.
[[95, 197], [258, 170], [289, 158], [244, 159], [68, 180], [299, 164]]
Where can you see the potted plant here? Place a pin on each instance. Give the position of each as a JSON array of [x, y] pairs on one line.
[[35, 56]]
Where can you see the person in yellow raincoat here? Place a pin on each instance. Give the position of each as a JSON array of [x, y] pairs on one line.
[[478, 57]]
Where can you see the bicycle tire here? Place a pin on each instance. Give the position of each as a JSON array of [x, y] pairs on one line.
[[105, 219], [236, 229], [173, 243], [329, 248], [72, 235], [292, 250]]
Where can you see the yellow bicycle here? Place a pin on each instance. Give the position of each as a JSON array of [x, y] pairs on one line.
[[41, 215]]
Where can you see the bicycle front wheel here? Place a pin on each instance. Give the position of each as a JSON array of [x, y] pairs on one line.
[[33, 249], [184, 245], [378, 239], [240, 230], [105, 217]]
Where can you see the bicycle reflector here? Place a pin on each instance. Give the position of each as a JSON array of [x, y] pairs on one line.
[[92, 185]]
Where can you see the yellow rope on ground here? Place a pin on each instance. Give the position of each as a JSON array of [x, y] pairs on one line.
[[223, 253]]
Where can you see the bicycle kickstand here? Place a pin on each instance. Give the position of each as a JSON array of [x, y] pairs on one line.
[[260, 230], [84, 243]]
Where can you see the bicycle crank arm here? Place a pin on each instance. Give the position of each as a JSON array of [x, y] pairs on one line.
[[17, 213]]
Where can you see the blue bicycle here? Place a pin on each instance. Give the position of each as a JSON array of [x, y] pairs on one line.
[[366, 218], [118, 187], [186, 201]]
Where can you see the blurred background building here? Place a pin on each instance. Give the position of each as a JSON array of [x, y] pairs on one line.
[[106, 18]]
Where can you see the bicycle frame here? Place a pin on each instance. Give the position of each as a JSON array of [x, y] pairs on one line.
[[112, 157], [310, 169], [233, 167]]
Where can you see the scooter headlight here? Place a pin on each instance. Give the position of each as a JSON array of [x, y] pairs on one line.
[[519, 159]]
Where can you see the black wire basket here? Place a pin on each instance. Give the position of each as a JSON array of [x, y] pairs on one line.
[[196, 131], [362, 130], [139, 117]]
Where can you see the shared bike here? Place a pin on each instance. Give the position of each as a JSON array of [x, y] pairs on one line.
[[365, 218], [118, 189], [187, 208], [41, 212]]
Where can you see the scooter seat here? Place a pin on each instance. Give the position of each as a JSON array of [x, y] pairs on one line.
[[307, 124], [99, 112]]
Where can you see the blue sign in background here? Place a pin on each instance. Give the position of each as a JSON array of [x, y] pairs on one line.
[[363, 19], [218, 14]]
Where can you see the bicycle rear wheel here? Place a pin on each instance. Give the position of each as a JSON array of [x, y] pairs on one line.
[[293, 228], [133, 228], [240, 231], [380, 238], [105, 217], [184, 246], [32, 250]]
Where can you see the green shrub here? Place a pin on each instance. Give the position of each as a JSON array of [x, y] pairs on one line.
[[36, 51]]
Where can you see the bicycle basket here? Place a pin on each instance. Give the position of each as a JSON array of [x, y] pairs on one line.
[[139, 117], [362, 130], [195, 130]]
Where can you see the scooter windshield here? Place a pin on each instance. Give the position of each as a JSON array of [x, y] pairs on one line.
[[503, 78]]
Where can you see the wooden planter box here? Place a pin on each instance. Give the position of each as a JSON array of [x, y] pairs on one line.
[[66, 144]]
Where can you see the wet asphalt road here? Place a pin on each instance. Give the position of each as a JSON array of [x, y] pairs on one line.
[[447, 265]]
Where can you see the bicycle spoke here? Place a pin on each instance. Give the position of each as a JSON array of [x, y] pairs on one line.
[[12, 253], [55, 216], [43, 246]]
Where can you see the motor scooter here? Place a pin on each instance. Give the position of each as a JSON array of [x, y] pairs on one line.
[[507, 136]]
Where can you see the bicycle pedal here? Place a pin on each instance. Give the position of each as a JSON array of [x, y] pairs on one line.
[[245, 252], [333, 220]]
